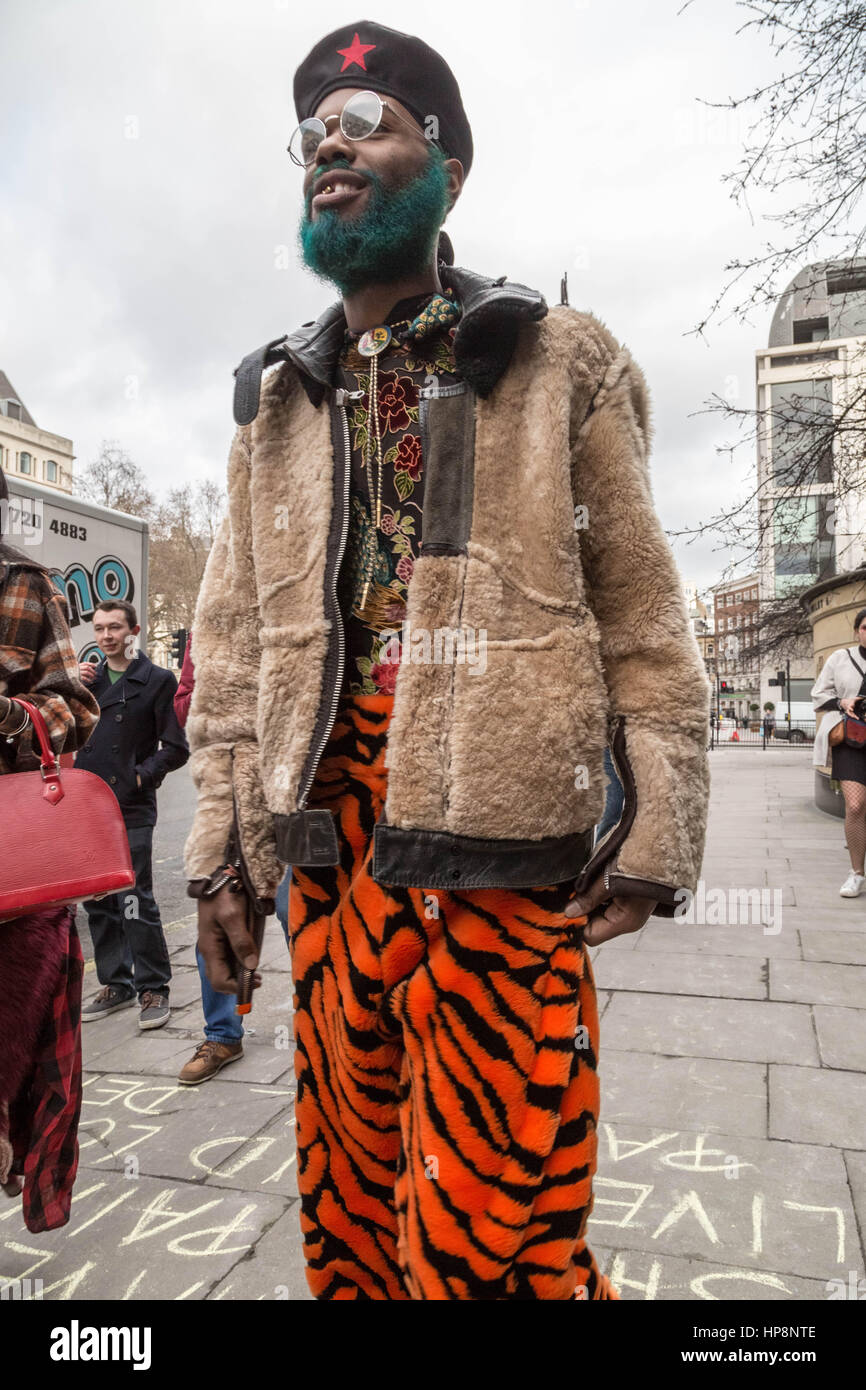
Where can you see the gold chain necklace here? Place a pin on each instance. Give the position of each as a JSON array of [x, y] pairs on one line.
[[371, 344], [438, 313]]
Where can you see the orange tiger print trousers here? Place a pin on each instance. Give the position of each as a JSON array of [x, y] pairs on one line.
[[447, 1095]]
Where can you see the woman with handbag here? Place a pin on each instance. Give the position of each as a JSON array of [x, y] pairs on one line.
[[841, 742], [40, 956]]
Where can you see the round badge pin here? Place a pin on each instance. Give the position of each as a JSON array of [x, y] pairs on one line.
[[374, 341]]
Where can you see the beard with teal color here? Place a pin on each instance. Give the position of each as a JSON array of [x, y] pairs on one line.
[[392, 238]]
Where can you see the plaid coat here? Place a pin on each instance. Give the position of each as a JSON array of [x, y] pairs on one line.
[[38, 661], [40, 1038]]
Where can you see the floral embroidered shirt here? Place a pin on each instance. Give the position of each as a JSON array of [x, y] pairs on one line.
[[378, 562]]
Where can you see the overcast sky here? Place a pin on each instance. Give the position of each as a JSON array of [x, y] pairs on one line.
[[147, 199]]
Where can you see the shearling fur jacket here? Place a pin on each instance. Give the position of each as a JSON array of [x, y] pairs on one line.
[[539, 532]]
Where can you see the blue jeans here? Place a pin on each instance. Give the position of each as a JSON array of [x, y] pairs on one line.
[[614, 799], [221, 1023]]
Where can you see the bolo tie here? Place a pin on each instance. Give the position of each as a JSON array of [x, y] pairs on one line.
[[442, 311]]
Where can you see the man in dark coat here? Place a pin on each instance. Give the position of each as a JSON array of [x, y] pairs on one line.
[[137, 742]]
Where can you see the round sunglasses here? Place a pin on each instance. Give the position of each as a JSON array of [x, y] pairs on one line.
[[361, 115]]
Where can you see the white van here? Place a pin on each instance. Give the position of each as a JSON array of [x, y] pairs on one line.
[[800, 728]]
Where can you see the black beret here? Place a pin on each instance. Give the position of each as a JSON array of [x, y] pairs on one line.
[[369, 56]]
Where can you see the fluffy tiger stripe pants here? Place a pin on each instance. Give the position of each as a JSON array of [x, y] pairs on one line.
[[447, 1096]]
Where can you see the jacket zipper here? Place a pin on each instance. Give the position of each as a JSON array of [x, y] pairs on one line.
[[423, 407], [340, 398]]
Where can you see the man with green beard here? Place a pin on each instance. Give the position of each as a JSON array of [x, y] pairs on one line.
[[437, 461], [390, 234]]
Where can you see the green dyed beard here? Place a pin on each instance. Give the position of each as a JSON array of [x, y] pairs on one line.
[[393, 238]]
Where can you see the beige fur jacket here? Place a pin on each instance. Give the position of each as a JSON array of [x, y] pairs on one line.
[[539, 531]]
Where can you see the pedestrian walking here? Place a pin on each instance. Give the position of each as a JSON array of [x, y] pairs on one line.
[[186, 685], [415, 461], [41, 963], [223, 1029], [839, 693], [137, 742]]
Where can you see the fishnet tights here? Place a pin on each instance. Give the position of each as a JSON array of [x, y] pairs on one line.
[[855, 823]]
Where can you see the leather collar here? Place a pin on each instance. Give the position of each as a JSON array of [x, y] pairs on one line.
[[483, 343]]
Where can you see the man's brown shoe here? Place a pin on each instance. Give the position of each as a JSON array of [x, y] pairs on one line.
[[209, 1058]]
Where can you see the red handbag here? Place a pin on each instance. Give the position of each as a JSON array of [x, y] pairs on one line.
[[850, 732], [62, 834]]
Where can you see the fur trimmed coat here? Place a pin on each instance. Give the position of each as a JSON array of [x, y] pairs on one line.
[[565, 567]]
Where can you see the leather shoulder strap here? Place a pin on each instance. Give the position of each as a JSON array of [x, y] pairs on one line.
[[860, 671], [248, 380]]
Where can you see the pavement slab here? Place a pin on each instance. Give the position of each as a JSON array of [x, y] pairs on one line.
[[661, 972], [827, 1108], [748, 1203], [815, 982], [643, 1276], [274, 1269], [736, 1030], [265, 1163], [723, 1097], [138, 1238], [747, 940], [841, 1037], [855, 1164], [151, 1125], [841, 947]]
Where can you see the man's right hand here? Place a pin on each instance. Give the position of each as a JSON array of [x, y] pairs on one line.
[[86, 672], [225, 941]]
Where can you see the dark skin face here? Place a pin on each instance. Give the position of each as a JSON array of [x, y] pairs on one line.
[[396, 152]]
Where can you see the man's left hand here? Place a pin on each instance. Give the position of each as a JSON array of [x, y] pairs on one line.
[[619, 915]]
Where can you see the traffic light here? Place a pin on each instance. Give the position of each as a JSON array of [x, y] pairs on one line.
[[723, 686], [178, 646]]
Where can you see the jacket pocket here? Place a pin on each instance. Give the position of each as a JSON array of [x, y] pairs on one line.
[[124, 784], [528, 729]]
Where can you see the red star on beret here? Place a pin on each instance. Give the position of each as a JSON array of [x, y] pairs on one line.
[[355, 54]]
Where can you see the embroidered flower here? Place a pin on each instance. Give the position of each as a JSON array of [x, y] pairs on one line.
[[397, 395], [384, 676], [409, 455], [405, 568], [388, 524]]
